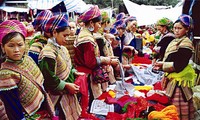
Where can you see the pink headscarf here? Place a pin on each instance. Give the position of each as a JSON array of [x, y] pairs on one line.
[[93, 12], [10, 26]]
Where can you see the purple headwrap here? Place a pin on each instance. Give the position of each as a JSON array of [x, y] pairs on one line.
[[10, 26], [56, 22], [92, 13], [130, 18], [120, 16], [186, 20], [113, 31], [120, 24], [41, 19]]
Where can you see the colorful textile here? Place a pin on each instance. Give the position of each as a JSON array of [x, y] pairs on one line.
[[55, 64], [186, 20], [120, 24], [130, 18], [113, 31], [41, 19], [165, 22], [168, 113], [87, 57], [3, 114], [120, 16], [186, 77], [174, 47], [185, 109], [92, 13], [11, 103], [105, 17], [56, 22], [30, 96], [9, 26], [36, 45]]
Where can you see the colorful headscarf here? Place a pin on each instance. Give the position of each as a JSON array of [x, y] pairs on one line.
[[90, 14], [41, 19], [113, 31], [165, 22], [186, 20], [130, 18], [56, 22], [104, 16], [120, 24], [10, 26], [120, 16]]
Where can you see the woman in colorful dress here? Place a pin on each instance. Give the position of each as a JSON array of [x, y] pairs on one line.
[[55, 64], [164, 25], [87, 55], [180, 76], [21, 80], [39, 41]]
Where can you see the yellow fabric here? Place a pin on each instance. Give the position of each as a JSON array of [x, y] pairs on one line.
[[143, 88], [186, 77], [112, 93], [168, 113]]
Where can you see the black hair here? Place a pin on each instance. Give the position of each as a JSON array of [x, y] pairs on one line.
[[10, 36], [5, 40], [106, 21], [189, 34], [94, 20], [61, 29]]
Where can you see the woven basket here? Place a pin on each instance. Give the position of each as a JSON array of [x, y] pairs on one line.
[[70, 47]]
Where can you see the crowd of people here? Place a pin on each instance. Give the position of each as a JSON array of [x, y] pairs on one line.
[[47, 82]]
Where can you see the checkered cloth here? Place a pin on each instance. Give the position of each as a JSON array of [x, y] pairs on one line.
[[10, 26], [41, 19], [56, 22], [92, 13]]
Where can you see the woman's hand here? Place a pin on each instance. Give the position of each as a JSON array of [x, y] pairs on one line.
[[114, 62], [105, 60], [72, 88], [158, 65]]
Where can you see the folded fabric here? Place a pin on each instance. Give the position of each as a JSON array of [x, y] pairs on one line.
[[158, 98], [168, 113]]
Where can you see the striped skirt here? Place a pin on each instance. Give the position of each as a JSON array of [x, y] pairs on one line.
[[184, 108]]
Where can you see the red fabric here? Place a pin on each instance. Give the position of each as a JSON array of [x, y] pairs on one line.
[[110, 100], [159, 98], [115, 116], [131, 110], [81, 81], [142, 104], [103, 96], [157, 86], [141, 60], [158, 106], [124, 99], [85, 58]]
